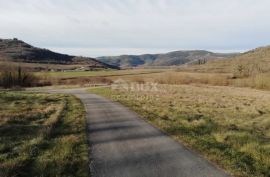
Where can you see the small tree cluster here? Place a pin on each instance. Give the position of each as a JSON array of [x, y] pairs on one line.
[[202, 61], [17, 78]]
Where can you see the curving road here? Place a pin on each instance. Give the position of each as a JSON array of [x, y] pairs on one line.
[[124, 145]]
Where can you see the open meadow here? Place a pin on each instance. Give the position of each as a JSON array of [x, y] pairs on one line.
[[172, 76], [101, 73], [89, 78]]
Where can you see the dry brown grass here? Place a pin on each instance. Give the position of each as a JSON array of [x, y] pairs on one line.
[[177, 78], [250, 63], [190, 78], [250, 69], [82, 81], [228, 125], [258, 81], [88, 78]]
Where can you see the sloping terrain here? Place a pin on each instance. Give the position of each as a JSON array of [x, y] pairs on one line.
[[248, 63], [167, 59], [14, 50], [257, 60]]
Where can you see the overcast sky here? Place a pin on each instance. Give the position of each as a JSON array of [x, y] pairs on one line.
[[112, 27]]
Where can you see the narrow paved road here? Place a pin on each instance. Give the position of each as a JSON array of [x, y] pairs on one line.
[[124, 145]]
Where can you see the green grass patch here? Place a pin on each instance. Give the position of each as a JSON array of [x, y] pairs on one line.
[[101, 73], [42, 135]]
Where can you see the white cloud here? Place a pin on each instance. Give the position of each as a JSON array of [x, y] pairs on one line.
[[144, 24]]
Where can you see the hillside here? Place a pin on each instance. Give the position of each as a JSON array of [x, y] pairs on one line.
[[257, 60], [14, 50], [167, 59], [248, 63]]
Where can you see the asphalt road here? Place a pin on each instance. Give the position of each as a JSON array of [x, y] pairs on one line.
[[124, 145]]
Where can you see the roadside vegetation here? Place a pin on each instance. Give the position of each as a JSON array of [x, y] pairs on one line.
[[42, 135], [17, 78], [229, 126]]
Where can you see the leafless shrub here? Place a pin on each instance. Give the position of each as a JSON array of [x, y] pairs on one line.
[[17, 78]]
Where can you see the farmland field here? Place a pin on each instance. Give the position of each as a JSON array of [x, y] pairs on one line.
[[42, 135], [86, 78], [229, 126], [100, 73], [161, 76]]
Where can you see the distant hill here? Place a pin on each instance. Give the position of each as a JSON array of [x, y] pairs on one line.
[[14, 50], [250, 62], [167, 59]]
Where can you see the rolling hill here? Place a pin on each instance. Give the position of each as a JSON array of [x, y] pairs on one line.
[[250, 62], [168, 59], [14, 50]]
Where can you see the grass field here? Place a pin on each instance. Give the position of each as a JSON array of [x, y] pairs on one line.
[[229, 126], [86, 78], [42, 135], [102, 73], [161, 76], [174, 77]]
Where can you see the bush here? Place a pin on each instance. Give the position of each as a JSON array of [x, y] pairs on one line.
[[17, 78]]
